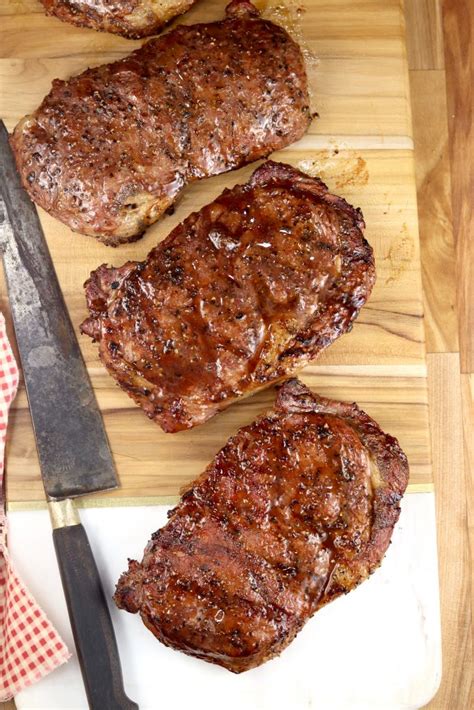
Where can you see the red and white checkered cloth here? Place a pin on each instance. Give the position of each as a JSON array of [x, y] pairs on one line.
[[30, 647]]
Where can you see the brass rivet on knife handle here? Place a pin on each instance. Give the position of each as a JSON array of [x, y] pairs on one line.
[[63, 513]]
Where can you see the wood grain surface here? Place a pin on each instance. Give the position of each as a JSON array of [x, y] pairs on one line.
[[28, 47], [432, 168], [153, 465], [458, 20], [425, 47], [450, 473], [451, 393], [447, 269], [382, 359], [361, 146]]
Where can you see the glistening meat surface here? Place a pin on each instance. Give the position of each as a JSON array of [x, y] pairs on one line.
[[110, 150], [242, 293], [297, 509]]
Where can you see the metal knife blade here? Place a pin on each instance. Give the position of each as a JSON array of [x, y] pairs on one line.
[[74, 453]]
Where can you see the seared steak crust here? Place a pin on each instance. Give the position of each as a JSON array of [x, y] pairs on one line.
[[243, 292], [129, 18], [297, 509], [110, 150]]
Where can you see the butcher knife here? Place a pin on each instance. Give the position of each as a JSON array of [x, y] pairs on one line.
[[73, 450]]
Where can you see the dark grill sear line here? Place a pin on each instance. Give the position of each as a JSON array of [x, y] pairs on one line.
[[272, 531]]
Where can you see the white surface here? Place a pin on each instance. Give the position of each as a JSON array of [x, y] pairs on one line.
[[376, 649]]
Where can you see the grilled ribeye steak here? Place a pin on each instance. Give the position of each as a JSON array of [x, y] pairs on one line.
[[239, 295], [297, 509], [129, 18], [110, 150]]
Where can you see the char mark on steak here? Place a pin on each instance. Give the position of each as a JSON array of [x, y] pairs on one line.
[[295, 510]]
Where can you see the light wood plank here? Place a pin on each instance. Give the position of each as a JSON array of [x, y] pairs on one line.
[[360, 62], [432, 169], [424, 34], [388, 333], [453, 535], [429, 127], [151, 463], [389, 330], [330, 21], [467, 397], [458, 19]]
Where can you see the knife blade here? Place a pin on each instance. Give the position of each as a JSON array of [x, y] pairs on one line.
[[73, 450]]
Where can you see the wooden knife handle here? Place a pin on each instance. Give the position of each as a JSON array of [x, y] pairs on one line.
[[90, 620]]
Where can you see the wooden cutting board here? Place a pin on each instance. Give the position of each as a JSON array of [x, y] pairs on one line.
[[361, 146]]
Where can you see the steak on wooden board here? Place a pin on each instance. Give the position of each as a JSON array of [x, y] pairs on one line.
[[239, 295], [129, 18], [110, 150], [295, 510]]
